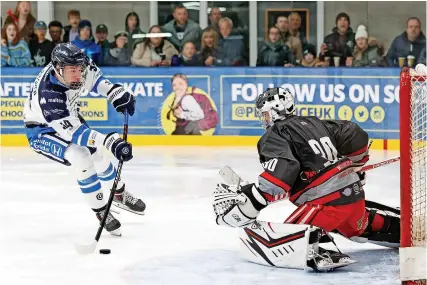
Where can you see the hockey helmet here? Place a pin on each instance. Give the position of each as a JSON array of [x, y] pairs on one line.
[[67, 54], [274, 104]]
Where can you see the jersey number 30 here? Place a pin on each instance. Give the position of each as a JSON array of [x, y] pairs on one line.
[[325, 148]]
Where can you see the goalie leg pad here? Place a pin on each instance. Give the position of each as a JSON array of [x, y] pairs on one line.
[[289, 246]]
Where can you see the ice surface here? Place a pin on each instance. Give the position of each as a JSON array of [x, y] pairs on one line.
[[42, 213]]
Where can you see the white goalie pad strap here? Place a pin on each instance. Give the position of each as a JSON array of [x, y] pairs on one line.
[[279, 245]]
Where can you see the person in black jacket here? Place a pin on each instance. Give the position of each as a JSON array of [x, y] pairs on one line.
[[340, 43], [41, 48], [188, 56], [274, 52], [71, 32]]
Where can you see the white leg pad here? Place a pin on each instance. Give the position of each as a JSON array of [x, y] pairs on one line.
[[279, 245]]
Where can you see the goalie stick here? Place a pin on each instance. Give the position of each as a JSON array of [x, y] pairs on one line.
[[84, 249]]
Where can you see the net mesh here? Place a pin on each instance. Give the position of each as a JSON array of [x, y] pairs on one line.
[[418, 158]]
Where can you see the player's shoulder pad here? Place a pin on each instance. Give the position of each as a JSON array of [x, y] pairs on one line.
[[53, 101], [272, 144]]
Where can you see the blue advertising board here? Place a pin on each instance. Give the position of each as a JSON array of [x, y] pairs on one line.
[[367, 96]]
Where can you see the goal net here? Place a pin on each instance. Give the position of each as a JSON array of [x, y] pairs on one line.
[[413, 170]]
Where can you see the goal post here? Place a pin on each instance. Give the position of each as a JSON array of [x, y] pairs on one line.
[[413, 174]]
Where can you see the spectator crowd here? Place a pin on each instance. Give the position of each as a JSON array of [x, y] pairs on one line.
[[24, 42]]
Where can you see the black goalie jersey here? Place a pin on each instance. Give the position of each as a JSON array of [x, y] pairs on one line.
[[302, 156]]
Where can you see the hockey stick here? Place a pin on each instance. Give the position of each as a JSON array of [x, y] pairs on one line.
[[84, 249]]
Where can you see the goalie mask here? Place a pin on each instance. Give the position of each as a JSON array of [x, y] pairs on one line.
[[274, 104]]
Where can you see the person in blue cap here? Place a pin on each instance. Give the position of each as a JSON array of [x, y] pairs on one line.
[[41, 48], [86, 44]]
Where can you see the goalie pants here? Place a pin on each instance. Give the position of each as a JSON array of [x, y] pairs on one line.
[[350, 220]]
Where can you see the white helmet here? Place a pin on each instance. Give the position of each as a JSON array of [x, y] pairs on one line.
[[274, 104]]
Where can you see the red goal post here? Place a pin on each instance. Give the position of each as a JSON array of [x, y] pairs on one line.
[[413, 174]]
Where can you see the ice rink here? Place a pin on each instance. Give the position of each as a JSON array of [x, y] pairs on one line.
[[43, 212]]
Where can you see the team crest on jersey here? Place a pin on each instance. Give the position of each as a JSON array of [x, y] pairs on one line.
[[42, 101]]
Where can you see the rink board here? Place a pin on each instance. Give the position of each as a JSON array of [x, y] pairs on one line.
[[220, 141], [366, 96]]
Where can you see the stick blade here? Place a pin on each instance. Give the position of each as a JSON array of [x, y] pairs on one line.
[[85, 249]]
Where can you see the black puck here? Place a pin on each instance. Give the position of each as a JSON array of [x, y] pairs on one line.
[[104, 251]]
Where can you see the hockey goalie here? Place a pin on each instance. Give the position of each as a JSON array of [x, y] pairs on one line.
[[316, 165]]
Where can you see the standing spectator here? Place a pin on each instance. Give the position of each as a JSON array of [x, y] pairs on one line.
[[273, 52], [24, 19], [310, 59], [366, 53], [340, 43], [101, 34], [41, 48], [14, 50], [282, 23], [214, 16], [410, 42], [188, 57], [183, 29], [71, 32], [295, 27], [132, 28], [55, 31], [85, 43], [119, 55], [209, 47], [230, 48], [153, 51]]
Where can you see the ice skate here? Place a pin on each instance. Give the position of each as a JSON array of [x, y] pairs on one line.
[[329, 260], [125, 200], [112, 225]]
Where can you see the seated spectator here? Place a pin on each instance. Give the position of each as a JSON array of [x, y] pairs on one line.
[[214, 16], [14, 50], [41, 48], [119, 55], [85, 43], [282, 23], [55, 31], [71, 32], [410, 42], [153, 51], [230, 48], [101, 34], [366, 53], [183, 29], [132, 28], [24, 20], [188, 57], [340, 43], [209, 47], [310, 59], [273, 52]]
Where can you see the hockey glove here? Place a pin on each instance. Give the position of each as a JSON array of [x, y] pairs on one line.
[[121, 149], [237, 208], [121, 99]]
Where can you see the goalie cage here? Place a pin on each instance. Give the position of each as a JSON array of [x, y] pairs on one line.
[[413, 174]]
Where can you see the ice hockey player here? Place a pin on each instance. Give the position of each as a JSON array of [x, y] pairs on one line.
[[56, 130], [303, 158]]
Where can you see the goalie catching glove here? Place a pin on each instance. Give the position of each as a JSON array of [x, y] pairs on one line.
[[235, 207]]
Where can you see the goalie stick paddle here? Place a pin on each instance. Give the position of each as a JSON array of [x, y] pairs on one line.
[[84, 249]]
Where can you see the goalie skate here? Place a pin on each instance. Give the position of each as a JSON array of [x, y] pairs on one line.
[[328, 260], [125, 200], [112, 225]]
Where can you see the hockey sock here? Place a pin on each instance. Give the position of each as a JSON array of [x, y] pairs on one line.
[[91, 188], [106, 170]]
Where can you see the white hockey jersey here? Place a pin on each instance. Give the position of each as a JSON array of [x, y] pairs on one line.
[[52, 107]]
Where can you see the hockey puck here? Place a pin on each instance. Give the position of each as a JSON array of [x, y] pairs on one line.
[[104, 251]]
